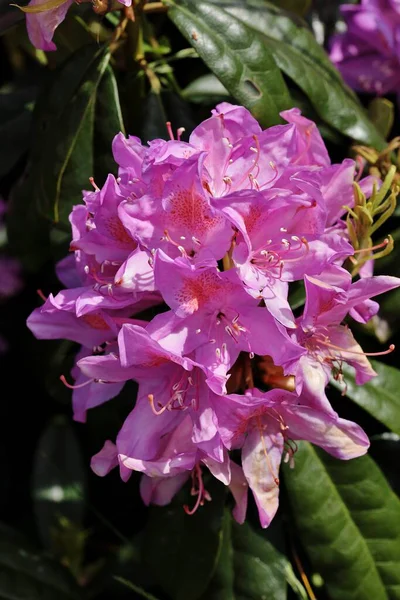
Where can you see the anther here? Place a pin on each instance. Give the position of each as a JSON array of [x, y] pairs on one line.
[[179, 132], [96, 187]]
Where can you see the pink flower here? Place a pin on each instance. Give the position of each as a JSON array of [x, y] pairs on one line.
[[368, 53], [328, 343], [44, 16], [266, 426]]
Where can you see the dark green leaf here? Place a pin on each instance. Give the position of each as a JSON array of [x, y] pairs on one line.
[[380, 396], [62, 155], [16, 107], [381, 113], [135, 588], [349, 522], [58, 482], [300, 57], [206, 89], [108, 122], [28, 232], [299, 7], [181, 551], [15, 136], [154, 118], [27, 575], [236, 54], [249, 567]]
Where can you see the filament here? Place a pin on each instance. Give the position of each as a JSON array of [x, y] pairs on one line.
[[75, 387]]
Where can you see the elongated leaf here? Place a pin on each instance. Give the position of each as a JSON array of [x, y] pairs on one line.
[[299, 7], [206, 89], [25, 574], [62, 156], [381, 113], [380, 396], [58, 482], [135, 588], [300, 57], [108, 122], [349, 522], [28, 232], [249, 567], [16, 107], [181, 551], [236, 54]]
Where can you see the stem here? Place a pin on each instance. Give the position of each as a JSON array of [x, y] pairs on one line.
[[155, 7], [303, 576]]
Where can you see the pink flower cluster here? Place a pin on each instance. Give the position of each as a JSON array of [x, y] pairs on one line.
[[208, 235], [368, 52]]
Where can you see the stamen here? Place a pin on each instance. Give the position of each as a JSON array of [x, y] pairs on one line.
[[265, 451], [385, 242], [169, 129], [76, 387], [326, 342], [41, 295], [92, 181], [197, 490], [179, 133], [168, 238], [153, 408]]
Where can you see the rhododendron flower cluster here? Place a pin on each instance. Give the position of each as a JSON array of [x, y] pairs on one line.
[[209, 235], [368, 52]]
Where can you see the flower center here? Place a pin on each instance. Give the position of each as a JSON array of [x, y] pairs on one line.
[[183, 394]]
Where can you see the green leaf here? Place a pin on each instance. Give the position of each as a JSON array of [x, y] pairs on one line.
[[381, 113], [62, 154], [16, 107], [380, 396], [108, 122], [249, 567], [181, 551], [135, 588], [206, 89], [26, 574], [300, 57], [299, 7], [348, 519], [58, 483], [27, 232], [236, 54]]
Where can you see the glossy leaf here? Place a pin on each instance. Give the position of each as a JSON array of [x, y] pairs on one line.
[[348, 519], [381, 113], [299, 7], [300, 57], [236, 54], [16, 108], [206, 89], [135, 588], [58, 482], [28, 232], [181, 551], [108, 122], [380, 396], [249, 567], [62, 155], [26, 574]]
